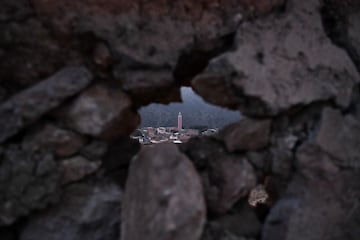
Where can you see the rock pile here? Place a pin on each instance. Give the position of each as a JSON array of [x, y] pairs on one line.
[[73, 75]]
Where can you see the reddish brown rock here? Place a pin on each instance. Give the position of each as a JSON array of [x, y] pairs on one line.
[[164, 196], [77, 168], [101, 112], [246, 135]]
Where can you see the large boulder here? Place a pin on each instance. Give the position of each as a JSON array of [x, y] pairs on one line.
[[163, 197], [280, 62]]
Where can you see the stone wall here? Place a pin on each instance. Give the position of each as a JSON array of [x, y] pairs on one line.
[[73, 75]]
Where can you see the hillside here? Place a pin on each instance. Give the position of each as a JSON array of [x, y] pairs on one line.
[[194, 109]]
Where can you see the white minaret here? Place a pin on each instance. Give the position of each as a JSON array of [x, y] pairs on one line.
[[179, 121]]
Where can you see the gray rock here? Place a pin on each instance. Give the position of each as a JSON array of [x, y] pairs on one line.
[[164, 196], [339, 136], [321, 201], [62, 142], [281, 62], [85, 212], [28, 181], [246, 135], [101, 112], [77, 168], [227, 180], [29, 105]]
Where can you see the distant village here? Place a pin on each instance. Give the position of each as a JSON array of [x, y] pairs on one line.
[[177, 135]]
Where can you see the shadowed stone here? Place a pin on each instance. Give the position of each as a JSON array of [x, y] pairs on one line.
[[30, 104], [86, 211], [163, 197], [248, 134], [101, 112]]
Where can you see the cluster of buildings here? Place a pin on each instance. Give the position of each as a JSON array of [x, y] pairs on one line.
[[151, 135]]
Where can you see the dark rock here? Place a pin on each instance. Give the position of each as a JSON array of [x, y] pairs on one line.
[[101, 112], [297, 42], [62, 142], [320, 200], [118, 157], [14, 10], [95, 150], [242, 223], [248, 134], [164, 196], [29, 105], [77, 168], [226, 177], [227, 180], [339, 136], [28, 181], [85, 212]]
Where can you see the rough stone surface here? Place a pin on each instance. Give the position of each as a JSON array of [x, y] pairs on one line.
[[95, 150], [87, 211], [295, 41], [164, 196], [62, 142], [29, 105], [77, 168], [229, 179], [327, 172], [226, 178], [248, 134], [28, 181], [339, 136], [101, 112]]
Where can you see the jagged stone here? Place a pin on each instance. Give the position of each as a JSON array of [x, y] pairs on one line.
[[227, 180], [62, 142], [29, 105], [296, 41], [327, 172], [164, 196], [85, 212], [28, 181], [101, 112], [248, 134], [339, 136], [78, 167]]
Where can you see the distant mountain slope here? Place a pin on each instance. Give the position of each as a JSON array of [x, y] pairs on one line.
[[195, 112]]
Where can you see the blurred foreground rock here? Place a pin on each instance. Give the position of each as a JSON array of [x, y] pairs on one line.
[[86, 211], [29, 105], [164, 196]]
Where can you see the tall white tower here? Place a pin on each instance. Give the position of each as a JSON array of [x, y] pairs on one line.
[[179, 121]]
